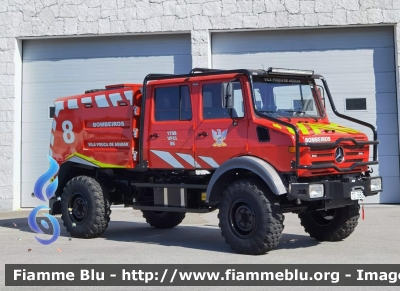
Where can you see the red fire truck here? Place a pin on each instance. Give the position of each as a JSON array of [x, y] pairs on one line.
[[253, 144]]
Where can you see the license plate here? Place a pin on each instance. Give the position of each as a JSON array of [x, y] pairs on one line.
[[357, 194]]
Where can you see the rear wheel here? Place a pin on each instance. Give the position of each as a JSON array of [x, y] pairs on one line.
[[163, 219], [250, 217], [85, 209], [331, 225]]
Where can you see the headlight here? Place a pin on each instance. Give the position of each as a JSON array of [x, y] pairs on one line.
[[376, 184], [316, 190]]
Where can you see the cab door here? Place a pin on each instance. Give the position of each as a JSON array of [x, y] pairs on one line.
[[217, 138], [171, 129]]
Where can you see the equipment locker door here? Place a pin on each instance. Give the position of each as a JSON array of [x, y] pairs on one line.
[[217, 139], [171, 129]]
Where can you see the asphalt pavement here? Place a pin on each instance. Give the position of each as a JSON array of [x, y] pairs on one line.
[[129, 240]]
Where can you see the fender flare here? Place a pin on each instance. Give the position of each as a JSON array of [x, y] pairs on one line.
[[258, 166]]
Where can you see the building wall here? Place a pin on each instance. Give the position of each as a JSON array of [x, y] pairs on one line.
[[50, 18]]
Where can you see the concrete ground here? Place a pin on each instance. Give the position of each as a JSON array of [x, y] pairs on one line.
[[197, 240]]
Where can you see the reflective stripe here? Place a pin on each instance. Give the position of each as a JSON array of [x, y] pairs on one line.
[[290, 129], [115, 97], [76, 157], [276, 125], [101, 101], [168, 158], [340, 127], [166, 196], [315, 128], [128, 95], [183, 197], [328, 127], [79, 160], [210, 161], [189, 159], [72, 104], [303, 129], [335, 127], [59, 106]]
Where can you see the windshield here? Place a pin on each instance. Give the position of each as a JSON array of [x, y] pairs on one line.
[[285, 97]]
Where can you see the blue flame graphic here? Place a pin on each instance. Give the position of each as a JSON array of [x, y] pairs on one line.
[[50, 190], [33, 225], [52, 187]]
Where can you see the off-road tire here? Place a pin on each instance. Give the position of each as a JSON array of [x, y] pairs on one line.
[[163, 219], [98, 211], [342, 224], [255, 196]]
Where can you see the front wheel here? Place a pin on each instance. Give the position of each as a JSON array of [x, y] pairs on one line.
[[331, 225], [250, 217]]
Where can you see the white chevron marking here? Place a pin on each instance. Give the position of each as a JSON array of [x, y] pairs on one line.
[[72, 104], [115, 97], [52, 139], [210, 161], [168, 158], [101, 101], [86, 100], [128, 95], [54, 125], [59, 106], [189, 159]]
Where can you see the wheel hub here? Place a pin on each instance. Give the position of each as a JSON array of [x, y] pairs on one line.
[[242, 219], [79, 207]]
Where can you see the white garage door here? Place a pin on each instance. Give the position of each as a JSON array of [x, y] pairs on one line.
[[357, 63], [60, 67]]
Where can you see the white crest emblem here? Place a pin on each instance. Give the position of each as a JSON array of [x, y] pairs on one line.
[[219, 137]]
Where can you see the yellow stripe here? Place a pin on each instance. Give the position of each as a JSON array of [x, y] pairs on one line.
[[341, 127], [276, 125], [332, 129], [328, 127], [335, 127], [93, 161], [290, 130], [303, 129], [315, 128]]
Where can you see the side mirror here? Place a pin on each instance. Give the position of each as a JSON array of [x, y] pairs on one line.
[[227, 95], [321, 92]]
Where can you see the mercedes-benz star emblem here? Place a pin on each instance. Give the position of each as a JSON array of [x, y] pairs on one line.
[[339, 155]]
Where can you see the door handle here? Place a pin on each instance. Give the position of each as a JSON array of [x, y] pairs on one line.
[[202, 133], [155, 135]]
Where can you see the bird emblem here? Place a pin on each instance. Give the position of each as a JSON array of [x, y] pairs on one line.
[[219, 137]]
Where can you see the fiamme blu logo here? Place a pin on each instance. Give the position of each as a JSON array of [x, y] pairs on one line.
[[45, 197]]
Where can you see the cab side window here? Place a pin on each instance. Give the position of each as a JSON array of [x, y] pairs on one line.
[[172, 103], [212, 101]]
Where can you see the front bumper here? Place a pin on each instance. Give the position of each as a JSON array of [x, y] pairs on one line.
[[336, 193]]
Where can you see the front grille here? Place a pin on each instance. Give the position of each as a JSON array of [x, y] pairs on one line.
[[352, 154]]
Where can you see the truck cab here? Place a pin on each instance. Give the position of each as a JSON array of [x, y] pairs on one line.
[[253, 144]]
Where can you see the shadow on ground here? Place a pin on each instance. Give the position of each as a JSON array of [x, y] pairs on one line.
[[187, 236]]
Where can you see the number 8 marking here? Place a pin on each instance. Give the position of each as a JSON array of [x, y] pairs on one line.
[[68, 135]]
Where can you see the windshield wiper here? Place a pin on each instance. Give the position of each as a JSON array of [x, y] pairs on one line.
[[302, 112], [274, 112]]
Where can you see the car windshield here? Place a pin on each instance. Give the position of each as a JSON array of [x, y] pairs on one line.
[[286, 97]]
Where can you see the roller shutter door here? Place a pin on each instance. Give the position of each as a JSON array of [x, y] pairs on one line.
[[65, 66], [357, 63]]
